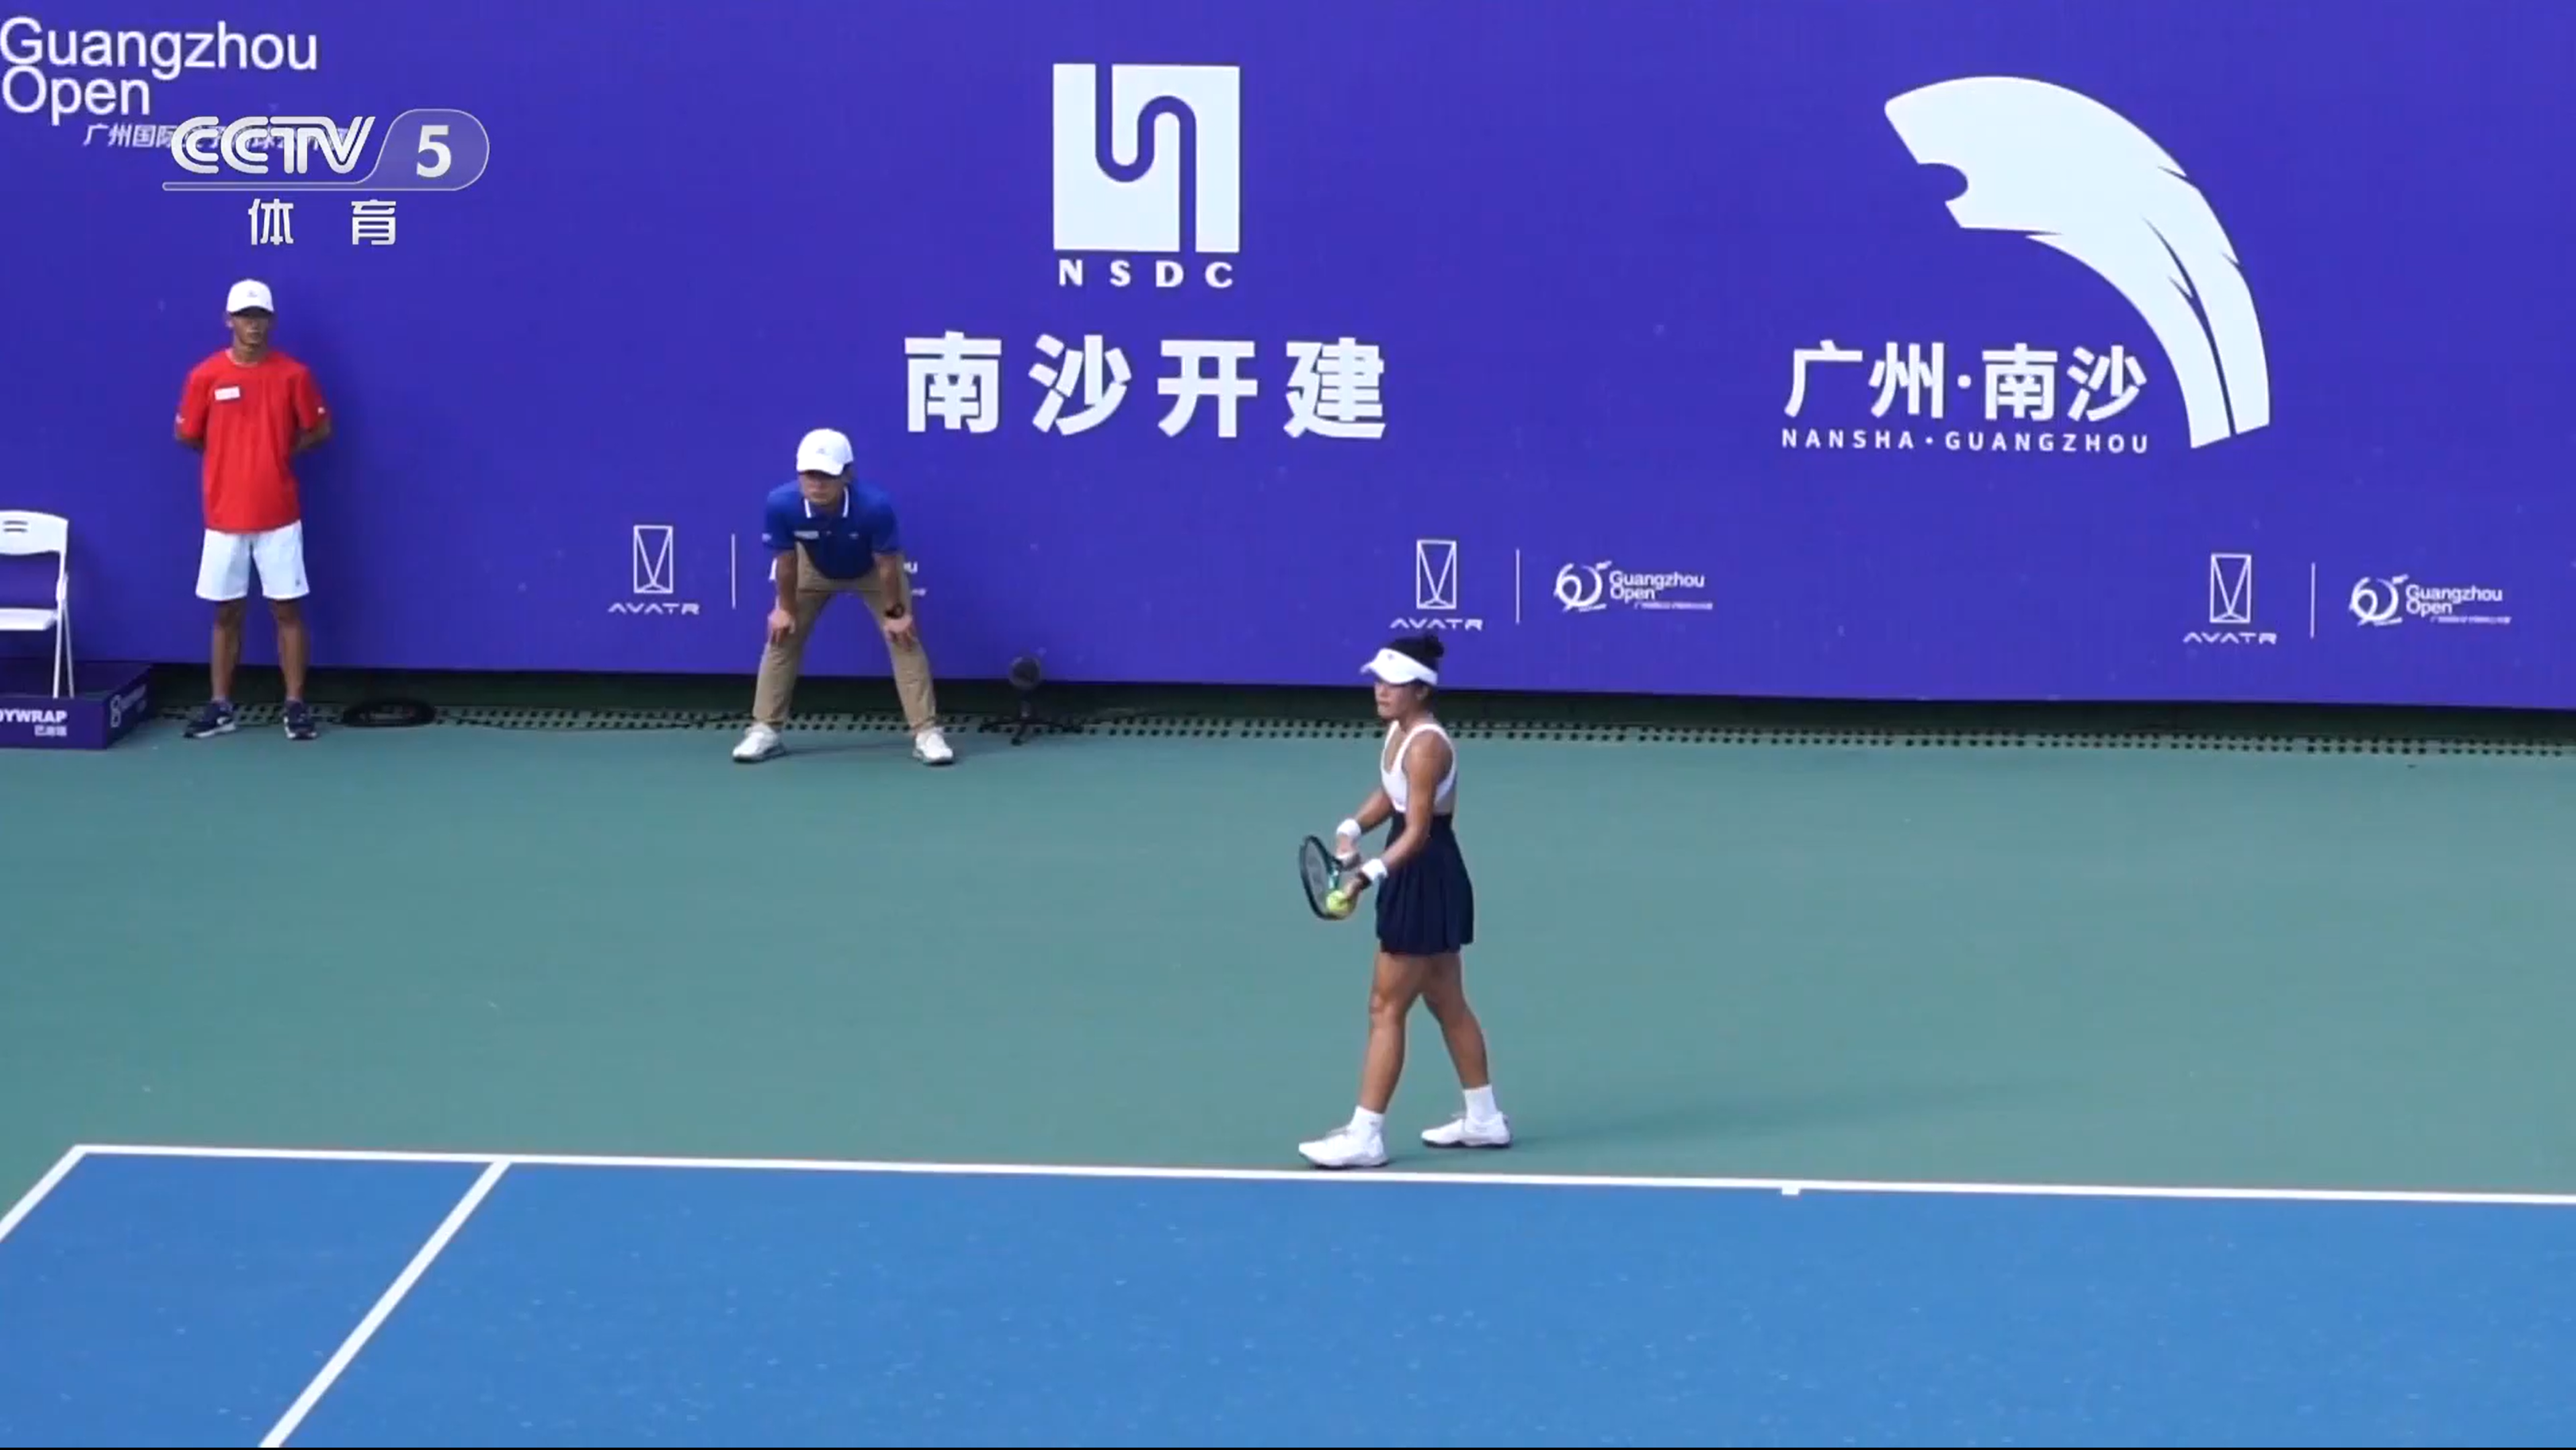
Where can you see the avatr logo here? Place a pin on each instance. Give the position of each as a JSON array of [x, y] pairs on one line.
[[2071, 174], [1148, 168], [1435, 589], [2231, 605], [654, 560]]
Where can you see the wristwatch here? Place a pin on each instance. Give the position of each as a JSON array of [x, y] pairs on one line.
[[897, 612]]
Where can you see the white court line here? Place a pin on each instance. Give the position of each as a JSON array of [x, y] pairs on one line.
[[27, 1202], [392, 1296], [1463, 1179]]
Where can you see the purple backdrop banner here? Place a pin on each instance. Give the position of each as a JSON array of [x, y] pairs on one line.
[[2005, 349]]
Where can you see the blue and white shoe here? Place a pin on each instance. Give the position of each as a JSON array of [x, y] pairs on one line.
[[215, 717], [299, 720]]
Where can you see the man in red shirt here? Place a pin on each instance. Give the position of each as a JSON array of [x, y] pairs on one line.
[[251, 410]]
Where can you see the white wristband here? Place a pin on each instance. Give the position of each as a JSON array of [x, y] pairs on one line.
[[1374, 869], [1350, 828]]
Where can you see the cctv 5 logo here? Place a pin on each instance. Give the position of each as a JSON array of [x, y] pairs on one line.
[[204, 144], [2070, 173]]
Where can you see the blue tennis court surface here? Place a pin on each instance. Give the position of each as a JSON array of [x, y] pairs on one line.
[[178, 1297]]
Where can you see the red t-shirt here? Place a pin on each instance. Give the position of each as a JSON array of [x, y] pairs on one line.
[[249, 418]]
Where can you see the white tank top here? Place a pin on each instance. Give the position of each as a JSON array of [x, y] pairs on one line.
[[1392, 777]]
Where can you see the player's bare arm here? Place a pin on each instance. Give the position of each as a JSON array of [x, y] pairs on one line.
[[1372, 812]]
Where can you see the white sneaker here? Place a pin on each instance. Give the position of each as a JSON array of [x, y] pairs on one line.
[[1348, 1146], [1465, 1132], [758, 743], [931, 748]]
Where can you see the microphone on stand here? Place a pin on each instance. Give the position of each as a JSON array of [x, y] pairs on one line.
[[1026, 676]]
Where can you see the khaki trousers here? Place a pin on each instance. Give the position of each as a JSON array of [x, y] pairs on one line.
[[783, 662]]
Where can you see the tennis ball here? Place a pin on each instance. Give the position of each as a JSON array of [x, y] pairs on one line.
[[1337, 901]]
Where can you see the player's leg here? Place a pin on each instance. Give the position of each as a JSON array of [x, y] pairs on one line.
[[1482, 1125], [912, 683], [1393, 989], [1397, 985], [223, 580], [279, 554], [782, 663]]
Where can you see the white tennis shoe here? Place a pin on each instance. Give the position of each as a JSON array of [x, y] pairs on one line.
[[1464, 1131], [1348, 1146], [758, 743]]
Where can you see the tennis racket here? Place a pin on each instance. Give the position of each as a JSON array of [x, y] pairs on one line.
[[1322, 875]]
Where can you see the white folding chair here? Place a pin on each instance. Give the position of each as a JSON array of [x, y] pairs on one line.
[[24, 535]]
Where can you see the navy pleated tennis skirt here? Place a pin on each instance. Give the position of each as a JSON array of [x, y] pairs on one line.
[[1428, 905]]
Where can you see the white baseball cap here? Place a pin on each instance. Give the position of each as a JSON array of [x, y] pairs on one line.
[[825, 450], [248, 294]]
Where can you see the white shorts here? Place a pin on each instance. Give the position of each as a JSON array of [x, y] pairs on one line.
[[224, 573]]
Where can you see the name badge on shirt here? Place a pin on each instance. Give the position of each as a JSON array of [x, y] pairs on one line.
[[228, 392], [809, 533]]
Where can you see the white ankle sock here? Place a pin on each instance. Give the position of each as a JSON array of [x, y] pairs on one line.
[[1480, 1104], [1368, 1122]]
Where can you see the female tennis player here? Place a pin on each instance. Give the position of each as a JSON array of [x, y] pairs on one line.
[[1426, 912]]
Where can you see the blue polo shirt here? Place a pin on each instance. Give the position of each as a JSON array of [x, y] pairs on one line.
[[842, 542]]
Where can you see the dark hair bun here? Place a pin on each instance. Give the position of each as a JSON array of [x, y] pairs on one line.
[[1424, 647]]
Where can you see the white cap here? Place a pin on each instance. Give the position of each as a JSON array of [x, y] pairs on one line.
[[1398, 668], [825, 450], [247, 294]]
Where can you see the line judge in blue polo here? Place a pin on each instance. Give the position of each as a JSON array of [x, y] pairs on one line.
[[829, 534]]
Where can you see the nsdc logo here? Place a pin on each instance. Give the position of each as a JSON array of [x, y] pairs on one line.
[[1148, 168]]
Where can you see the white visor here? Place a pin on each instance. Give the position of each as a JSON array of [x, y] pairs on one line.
[[1397, 668]]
